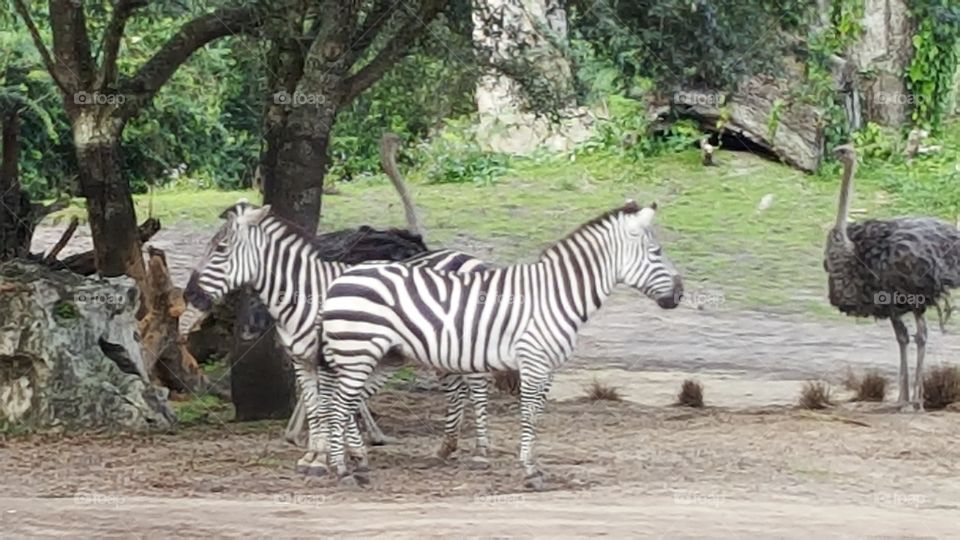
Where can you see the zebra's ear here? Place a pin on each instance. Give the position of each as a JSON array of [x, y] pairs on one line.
[[253, 216], [645, 216]]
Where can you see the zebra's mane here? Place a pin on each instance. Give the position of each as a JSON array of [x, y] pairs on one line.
[[630, 208]]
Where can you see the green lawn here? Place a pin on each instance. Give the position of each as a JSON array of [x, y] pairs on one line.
[[710, 222]]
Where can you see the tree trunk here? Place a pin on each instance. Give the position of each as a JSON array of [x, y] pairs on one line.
[[261, 381], [15, 225], [261, 376], [113, 222]]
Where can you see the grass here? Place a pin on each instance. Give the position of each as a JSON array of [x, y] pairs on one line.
[[816, 395], [709, 223], [691, 394], [598, 391], [203, 409], [941, 387], [871, 387]]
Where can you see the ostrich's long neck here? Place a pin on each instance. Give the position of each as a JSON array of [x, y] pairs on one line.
[[846, 189]]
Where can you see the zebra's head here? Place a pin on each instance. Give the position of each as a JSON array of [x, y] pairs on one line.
[[643, 265], [231, 261]]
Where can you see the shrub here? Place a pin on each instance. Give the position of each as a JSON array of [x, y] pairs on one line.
[[691, 394], [597, 391], [941, 387], [816, 395]]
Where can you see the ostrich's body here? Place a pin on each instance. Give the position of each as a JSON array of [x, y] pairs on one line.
[[887, 268]]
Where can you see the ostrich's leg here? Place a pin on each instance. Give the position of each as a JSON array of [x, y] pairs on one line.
[[903, 339], [921, 339]]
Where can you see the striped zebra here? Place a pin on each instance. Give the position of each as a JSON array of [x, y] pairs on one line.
[[278, 261], [523, 317]]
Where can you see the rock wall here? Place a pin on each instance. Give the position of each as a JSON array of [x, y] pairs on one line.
[[70, 353], [883, 54], [505, 30]]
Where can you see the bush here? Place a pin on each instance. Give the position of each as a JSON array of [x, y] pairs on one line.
[[597, 391], [691, 394], [816, 395], [941, 387], [872, 387]]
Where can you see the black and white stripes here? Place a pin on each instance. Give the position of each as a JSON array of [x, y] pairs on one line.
[[523, 317], [282, 266]]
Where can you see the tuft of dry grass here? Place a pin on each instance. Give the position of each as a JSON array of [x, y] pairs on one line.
[[941, 387], [871, 387], [850, 380], [691, 394], [597, 391], [816, 395]]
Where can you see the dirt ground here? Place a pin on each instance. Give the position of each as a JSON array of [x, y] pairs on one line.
[[749, 465]]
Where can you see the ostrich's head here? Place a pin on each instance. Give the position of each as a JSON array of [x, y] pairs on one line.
[[846, 153]]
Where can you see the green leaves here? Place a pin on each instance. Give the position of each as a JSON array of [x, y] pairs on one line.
[[936, 45]]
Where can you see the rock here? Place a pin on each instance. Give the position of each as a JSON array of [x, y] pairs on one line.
[[796, 138], [70, 354]]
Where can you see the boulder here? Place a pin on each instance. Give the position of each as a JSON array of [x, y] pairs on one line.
[[70, 355]]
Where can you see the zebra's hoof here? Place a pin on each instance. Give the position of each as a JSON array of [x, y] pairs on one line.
[[534, 482], [478, 463]]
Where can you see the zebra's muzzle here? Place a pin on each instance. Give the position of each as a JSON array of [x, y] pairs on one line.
[[673, 299]]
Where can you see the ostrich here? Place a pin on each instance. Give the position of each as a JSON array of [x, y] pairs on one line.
[[887, 268]]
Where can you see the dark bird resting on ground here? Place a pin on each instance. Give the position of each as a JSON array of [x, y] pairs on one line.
[[887, 268]]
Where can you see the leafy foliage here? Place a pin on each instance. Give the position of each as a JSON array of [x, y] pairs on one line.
[[454, 157], [689, 43], [936, 45], [412, 100]]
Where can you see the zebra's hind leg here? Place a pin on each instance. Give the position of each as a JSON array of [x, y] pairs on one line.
[[312, 463], [343, 408], [532, 391], [456, 393], [479, 390]]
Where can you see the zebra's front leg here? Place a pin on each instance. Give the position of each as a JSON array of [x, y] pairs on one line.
[[479, 390], [313, 461], [456, 393]]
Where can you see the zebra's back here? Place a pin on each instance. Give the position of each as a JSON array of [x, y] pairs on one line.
[[455, 322]]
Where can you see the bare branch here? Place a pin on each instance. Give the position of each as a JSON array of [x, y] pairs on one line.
[[395, 49], [110, 45], [38, 43], [58, 247]]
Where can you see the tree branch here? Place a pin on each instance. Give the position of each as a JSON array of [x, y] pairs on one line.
[[192, 36], [377, 17], [38, 43], [71, 44], [110, 45], [395, 49], [51, 256]]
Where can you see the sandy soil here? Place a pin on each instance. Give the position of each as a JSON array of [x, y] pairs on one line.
[[749, 465], [612, 468]]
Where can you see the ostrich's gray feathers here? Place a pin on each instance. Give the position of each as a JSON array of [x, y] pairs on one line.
[[893, 266]]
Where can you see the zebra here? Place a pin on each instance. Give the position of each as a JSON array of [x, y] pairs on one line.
[[276, 258], [523, 317]]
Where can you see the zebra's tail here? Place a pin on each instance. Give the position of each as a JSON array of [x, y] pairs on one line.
[[389, 144]]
